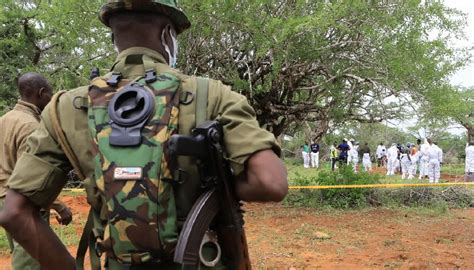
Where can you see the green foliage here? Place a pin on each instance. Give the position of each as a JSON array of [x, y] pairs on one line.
[[347, 198], [62, 39], [336, 198], [438, 199], [299, 175], [4, 245], [68, 235], [451, 104], [326, 62], [453, 169]]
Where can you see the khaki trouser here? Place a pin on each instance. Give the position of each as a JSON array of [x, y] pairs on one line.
[[21, 260]]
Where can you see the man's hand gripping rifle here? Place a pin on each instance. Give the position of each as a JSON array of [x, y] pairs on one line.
[[216, 217]]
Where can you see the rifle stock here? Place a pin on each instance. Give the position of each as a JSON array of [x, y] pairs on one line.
[[235, 247]]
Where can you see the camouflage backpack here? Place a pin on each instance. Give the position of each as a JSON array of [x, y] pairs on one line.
[[133, 210], [130, 122]]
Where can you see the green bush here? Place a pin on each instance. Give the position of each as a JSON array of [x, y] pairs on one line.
[[347, 198], [441, 198], [336, 198]]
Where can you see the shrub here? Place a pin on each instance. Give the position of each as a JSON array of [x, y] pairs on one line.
[[347, 198], [303, 197], [450, 197], [337, 198], [441, 198]]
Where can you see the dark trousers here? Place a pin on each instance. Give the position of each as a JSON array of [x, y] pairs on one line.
[[333, 163], [342, 161]]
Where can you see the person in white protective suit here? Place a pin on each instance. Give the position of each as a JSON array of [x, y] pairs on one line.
[[424, 159], [405, 162], [469, 177], [366, 162], [380, 153], [392, 154], [349, 156], [353, 154], [435, 155]]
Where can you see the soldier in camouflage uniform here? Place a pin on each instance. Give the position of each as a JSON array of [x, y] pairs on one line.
[[142, 29], [17, 125]]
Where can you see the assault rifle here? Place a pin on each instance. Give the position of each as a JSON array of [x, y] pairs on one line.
[[216, 217]]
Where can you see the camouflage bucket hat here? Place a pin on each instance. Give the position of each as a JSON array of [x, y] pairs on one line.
[[167, 8]]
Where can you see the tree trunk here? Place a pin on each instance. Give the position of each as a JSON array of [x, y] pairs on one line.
[[320, 130], [470, 132]]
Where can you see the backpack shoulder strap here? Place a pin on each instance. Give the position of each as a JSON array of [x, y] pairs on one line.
[[86, 238], [201, 99], [61, 137]]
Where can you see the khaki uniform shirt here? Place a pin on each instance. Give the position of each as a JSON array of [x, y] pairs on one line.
[[47, 164], [15, 127]]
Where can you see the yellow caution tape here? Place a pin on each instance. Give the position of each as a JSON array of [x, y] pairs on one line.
[[384, 185], [351, 186]]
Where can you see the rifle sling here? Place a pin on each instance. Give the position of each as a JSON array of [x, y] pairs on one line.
[[61, 137], [201, 100]]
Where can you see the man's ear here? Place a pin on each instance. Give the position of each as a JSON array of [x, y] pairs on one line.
[[41, 92]]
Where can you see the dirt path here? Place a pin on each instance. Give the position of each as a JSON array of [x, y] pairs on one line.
[[289, 238]]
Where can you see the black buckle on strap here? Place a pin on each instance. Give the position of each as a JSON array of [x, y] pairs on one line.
[[150, 76], [186, 98], [114, 79]]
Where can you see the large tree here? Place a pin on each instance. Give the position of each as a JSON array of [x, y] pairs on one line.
[[327, 62]]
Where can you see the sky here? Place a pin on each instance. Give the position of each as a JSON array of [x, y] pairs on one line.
[[464, 77]]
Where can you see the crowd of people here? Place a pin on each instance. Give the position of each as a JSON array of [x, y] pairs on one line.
[[423, 158]]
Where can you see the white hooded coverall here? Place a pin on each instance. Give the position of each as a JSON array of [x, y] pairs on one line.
[[380, 152], [424, 159], [435, 155], [353, 156], [405, 166], [392, 161], [366, 162], [469, 163], [414, 163]]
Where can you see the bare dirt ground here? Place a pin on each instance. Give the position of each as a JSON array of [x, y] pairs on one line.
[[285, 238], [295, 238]]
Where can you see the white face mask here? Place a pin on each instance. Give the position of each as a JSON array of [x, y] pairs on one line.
[[172, 57]]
